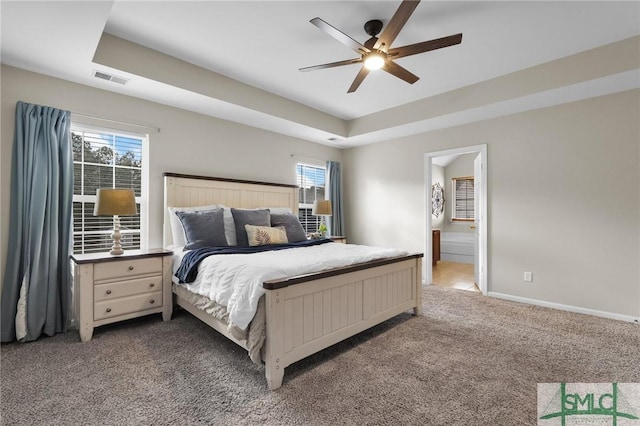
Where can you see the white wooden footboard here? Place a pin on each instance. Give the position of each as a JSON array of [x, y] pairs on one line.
[[306, 316]]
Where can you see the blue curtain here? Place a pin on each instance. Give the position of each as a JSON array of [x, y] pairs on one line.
[[36, 291], [336, 220]]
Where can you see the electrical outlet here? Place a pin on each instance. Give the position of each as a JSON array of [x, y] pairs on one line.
[[528, 277]]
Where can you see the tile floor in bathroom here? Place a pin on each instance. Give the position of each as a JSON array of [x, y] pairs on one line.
[[454, 275]]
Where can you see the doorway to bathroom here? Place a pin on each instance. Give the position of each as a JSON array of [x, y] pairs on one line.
[[456, 218]]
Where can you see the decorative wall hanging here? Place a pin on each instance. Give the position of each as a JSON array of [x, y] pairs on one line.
[[437, 199]]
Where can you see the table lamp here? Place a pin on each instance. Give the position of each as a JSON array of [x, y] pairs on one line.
[[321, 208], [115, 202]]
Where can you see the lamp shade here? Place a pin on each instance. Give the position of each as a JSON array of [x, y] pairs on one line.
[[112, 202], [321, 208]]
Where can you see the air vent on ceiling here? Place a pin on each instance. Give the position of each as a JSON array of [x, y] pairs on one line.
[[110, 77]]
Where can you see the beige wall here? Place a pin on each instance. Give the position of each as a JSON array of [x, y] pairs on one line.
[[187, 143], [556, 176], [563, 199]]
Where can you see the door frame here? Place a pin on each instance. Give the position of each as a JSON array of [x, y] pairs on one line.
[[482, 223]]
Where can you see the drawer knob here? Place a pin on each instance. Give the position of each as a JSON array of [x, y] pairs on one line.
[[152, 301], [108, 309], [152, 284], [108, 291], [131, 267]]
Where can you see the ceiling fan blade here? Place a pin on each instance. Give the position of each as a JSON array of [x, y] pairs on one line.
[[331, 65], [400, 72], [358, 80], [396, 23], [339, 35], [425, 46]]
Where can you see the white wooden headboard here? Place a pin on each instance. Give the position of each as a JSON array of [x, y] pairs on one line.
[[190, 191]]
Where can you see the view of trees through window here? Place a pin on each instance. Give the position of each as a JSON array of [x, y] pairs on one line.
[[104, 160], [311, 181]]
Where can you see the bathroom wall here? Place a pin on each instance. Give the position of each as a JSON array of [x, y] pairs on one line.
[[460, 167]]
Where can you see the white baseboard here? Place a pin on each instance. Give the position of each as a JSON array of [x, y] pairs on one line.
[[569, 308]]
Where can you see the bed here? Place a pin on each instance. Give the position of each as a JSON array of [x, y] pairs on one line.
[[306, 313]]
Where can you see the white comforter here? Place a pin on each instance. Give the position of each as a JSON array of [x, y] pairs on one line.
[[235, 280]]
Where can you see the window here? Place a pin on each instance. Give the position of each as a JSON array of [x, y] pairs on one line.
[[104, 159], [311, 181], [462, 197]]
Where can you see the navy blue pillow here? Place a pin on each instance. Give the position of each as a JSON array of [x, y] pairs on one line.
[[242, 217], [291, 224], [203, 228]]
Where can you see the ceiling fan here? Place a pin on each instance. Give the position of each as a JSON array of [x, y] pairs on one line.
[[376, 53]]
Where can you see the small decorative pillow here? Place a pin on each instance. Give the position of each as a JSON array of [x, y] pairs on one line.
[[242, 217], [203, 229], [295, 231], [264, 235]]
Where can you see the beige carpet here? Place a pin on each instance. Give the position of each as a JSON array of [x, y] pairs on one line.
[[470, 360]]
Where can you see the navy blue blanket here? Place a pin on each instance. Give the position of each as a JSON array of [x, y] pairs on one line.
[[188, 269]]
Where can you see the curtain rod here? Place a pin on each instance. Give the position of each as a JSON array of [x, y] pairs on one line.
[[144, 126]]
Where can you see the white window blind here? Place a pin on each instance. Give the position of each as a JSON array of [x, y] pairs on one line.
[[104, 159], [311, 181], [463, 198]]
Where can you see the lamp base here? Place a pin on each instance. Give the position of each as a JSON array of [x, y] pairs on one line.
[[116, 249], [322, 229], [116, 252]]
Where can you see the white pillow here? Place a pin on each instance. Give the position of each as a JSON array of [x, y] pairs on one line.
[[278, 210], [177, 231]]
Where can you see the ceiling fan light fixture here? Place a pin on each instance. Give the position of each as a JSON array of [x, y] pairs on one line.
[[374, 61], [376, 53]]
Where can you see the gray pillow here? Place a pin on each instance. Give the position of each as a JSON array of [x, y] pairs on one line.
[[203, 229], [242, 217], [291, 223]]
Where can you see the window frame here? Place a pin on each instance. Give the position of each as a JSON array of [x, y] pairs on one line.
[[302, 206], [141, 200], [454, 200]]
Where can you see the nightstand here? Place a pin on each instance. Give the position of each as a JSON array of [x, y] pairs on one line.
[[116, 288], [339, 239]]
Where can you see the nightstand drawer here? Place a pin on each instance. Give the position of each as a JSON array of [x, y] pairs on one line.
[[126, 268], [127, 305], [126, 288]]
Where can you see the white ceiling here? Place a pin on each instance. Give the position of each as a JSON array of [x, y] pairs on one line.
[[263, 43]]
